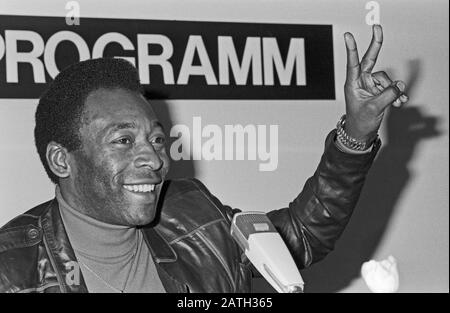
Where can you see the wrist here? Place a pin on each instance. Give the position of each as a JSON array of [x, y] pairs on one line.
[[345, 149], [362, 135], [348, 139]]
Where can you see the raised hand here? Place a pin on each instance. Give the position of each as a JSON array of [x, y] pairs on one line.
[[367, 94]]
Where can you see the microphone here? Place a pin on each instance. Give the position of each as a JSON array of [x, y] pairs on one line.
[[264, 247]]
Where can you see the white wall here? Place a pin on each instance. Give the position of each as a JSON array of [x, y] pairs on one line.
[[404, 209]]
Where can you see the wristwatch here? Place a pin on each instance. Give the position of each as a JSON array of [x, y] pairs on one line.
[[351, 142]]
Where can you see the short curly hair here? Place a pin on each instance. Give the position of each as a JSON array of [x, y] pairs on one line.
[[59, 112]]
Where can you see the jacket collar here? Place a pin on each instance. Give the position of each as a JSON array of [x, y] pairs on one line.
[[160, 249], [60, 251]]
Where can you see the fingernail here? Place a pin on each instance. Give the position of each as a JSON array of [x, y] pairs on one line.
[[404, 98], [401, 85]]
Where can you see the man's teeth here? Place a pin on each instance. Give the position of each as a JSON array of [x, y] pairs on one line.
[[140, 188]]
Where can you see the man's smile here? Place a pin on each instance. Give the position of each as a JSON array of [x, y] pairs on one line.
[[140, 188], [142, 192]]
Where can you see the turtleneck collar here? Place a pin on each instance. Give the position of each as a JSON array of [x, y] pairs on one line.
[[95, 239]]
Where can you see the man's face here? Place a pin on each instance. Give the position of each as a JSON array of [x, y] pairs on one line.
[[117, 174]]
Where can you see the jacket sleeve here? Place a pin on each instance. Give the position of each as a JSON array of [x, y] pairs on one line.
[[316, 218]]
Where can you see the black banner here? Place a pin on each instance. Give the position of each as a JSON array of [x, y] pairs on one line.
[[175, 59]]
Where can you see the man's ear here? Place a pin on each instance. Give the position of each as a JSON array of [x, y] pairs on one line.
[[58, 159]]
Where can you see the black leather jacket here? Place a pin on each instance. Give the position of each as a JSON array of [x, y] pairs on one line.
[[190, 241]]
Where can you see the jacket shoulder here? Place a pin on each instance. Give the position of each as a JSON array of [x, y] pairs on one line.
[[20, 246], [187, 205], [23, 230]]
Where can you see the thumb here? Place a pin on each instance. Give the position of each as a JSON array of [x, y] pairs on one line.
[[390, 94]]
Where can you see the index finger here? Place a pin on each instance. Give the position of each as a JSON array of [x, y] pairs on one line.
[[369, 59], [353, 69]]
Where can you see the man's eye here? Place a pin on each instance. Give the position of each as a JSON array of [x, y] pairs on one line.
[[159, 140], [123, 141]]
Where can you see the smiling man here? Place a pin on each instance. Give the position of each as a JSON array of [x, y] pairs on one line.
[[117, 175], [116, 224]]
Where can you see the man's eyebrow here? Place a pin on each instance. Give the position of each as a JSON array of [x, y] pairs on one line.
[[118, 126], [157, 124], [129, 125]]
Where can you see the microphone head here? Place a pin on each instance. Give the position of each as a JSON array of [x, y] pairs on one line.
[[245, 224], [264, 247]]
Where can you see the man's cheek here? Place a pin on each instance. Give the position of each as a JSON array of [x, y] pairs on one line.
[[166, 163], [108, 168], [85, 170]]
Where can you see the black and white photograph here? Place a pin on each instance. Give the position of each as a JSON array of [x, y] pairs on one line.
[[216, 147]]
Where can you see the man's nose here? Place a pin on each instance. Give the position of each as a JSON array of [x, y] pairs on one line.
[[149, 157]]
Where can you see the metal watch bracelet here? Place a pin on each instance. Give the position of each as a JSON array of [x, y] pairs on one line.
[[348, 141]]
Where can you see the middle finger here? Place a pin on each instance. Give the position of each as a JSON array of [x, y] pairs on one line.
[[370, 57]]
